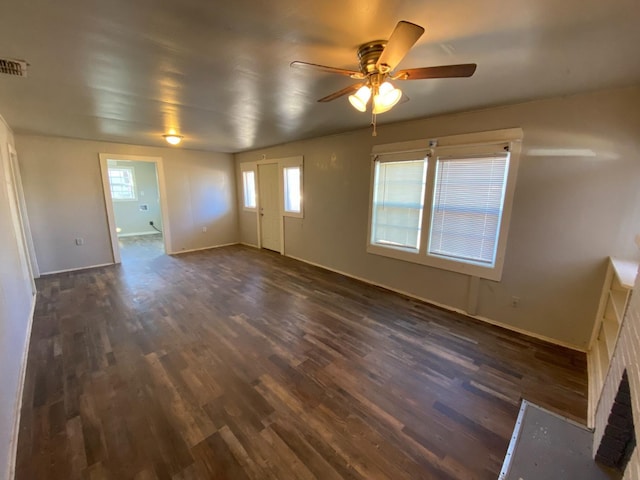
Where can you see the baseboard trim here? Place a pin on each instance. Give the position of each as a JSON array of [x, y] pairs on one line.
[[149, 232], [77, 269], [495, 323], [13, 448], [250, 245], [204, 248]]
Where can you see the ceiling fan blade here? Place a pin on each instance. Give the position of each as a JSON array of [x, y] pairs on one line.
[[324, 68], [443, 71], [404, 36], [341, 93]]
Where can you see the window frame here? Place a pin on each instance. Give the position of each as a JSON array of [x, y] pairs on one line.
[[467, 144], [399, 157], [283, 165], [245, 168], [132, 173]]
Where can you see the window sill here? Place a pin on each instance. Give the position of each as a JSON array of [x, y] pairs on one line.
[[472, 270]]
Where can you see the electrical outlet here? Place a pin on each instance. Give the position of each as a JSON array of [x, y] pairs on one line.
[[204, 229], [515, 301], [79, 241]]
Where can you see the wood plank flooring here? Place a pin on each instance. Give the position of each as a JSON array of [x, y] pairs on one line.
[[236, 363]]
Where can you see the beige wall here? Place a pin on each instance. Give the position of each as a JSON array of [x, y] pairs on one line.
[[129, 218], [571, 209], [16, 299], [63, 188]]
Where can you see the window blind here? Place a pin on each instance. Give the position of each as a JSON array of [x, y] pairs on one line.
[[122, 183], [398, 202], [467, 207]]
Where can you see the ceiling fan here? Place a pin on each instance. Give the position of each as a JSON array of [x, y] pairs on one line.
[[378, 60]]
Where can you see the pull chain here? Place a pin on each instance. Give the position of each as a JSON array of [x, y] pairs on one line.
[[373, 122]]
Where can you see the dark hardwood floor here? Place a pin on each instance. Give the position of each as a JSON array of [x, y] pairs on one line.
[[236, 363]]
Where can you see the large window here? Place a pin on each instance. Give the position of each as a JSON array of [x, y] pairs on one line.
[[447, 205], [122, 183]]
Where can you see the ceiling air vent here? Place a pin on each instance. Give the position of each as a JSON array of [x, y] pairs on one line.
[[16, 68]]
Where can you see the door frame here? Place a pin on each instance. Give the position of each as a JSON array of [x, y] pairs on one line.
[[16, 212], [21, 204], [162, 192]]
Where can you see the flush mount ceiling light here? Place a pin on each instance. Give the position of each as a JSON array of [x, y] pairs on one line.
[[173, 139], [378, 60]]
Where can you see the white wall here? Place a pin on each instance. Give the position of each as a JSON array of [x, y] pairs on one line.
[[63, 189], [16, 301], [572, 208], [129, 218]]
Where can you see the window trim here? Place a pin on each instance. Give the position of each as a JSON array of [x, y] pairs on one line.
[[482, 142], [249, 167], [291, 162]]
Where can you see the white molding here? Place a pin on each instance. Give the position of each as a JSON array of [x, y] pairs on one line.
[[148, 232], [23, 213], [162, 192], [480, 138], [252, 245], [450, 308], [13, 447], [404, 147], [204, 248], [54, 272]]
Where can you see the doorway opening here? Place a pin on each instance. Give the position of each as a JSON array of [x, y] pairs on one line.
[[134, 196]]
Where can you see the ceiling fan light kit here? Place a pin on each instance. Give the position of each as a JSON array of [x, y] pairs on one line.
[[386, 98], [360, 99], [378, 60]]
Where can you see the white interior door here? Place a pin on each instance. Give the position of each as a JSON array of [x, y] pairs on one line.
[[18, 227], [22, 210], [269, 206]]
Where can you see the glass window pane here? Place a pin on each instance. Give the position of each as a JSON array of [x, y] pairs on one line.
[[467, 208], [249, 189], [398, 201], [122, 183], [292, 193]]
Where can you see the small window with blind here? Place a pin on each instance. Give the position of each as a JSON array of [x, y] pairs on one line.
[[446, 205], [467, 208], [249, 189], [292, 186], [122, 183], [292, 189], [398, 201]]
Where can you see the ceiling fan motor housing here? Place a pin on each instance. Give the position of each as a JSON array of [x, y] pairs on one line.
[[368, 54]]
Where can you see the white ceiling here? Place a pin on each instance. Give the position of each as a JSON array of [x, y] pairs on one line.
[[218, 72]]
